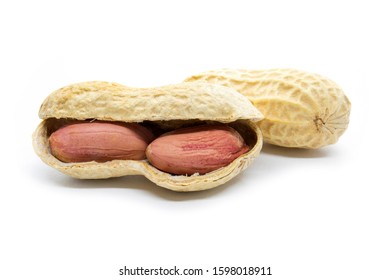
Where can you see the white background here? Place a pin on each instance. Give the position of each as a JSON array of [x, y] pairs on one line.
[[307, 214]]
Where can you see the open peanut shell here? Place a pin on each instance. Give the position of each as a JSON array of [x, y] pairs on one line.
[[161, 108]]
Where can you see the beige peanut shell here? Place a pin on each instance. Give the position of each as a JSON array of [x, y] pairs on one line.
[[168, 107], [301, 109]]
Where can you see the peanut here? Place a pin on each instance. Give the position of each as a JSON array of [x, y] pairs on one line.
[[160, 109], [200, 149], [100, 142], [301, 109]]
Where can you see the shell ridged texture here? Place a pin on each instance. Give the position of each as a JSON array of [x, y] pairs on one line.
[[301, 109], [184, 101]]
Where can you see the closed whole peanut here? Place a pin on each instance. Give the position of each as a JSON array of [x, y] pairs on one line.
[[100, 142], [301, 109], [199, 149]]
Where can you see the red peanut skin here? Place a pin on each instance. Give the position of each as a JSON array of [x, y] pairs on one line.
[[100, 142], [200, 149]]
